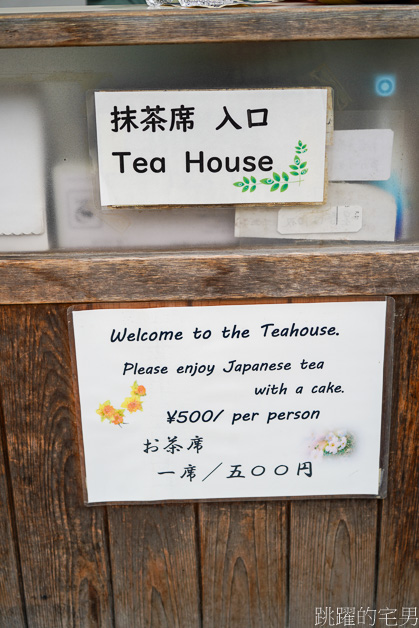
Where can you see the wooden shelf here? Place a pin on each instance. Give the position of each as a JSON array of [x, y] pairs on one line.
[[144, 25], [232, 274]]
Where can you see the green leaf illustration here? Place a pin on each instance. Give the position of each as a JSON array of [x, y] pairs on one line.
[[296, 169]]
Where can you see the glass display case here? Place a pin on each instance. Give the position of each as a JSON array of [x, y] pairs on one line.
[[53, 58], [48, 200]]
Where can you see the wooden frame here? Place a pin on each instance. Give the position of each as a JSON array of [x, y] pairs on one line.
[[192, 565], [142, 25], [235, 273], [232, 274]]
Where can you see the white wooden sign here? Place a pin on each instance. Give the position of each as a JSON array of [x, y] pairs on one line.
[[211, 147], [231, 401]]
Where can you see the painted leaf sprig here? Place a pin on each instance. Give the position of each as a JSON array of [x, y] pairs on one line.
[[298, 168], [301, 148], [246, 184], [276, 181]]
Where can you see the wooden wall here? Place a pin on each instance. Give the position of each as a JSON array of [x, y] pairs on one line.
[[215, 565]]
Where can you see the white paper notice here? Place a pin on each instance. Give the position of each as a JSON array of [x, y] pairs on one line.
[[231, 401], [211, 147], [22, 188], [354, 211], [361, 155]]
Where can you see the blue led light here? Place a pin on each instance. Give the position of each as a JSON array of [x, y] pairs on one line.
[[385, 85]]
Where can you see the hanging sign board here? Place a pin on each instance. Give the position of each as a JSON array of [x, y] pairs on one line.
[[160, 148], [223, 402]]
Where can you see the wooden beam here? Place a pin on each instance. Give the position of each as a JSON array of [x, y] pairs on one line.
[[144, 25], [233, 274], [244, 564], [332, 558], [398, 576], [62, 544], [12, 612], [155, 570]]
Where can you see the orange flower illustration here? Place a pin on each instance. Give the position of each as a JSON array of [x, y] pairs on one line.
[[137, 390], [118, 417], [132, 404], [105, 410]]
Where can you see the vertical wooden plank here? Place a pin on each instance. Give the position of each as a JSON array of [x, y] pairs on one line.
[[332, 557], [154, 566], [62, 543], [398, 582], [333, 546], [244, 567], [243, 555], [154, 556], [11, 603]]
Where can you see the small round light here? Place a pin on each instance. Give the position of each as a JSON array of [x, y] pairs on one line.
[[385, 85]]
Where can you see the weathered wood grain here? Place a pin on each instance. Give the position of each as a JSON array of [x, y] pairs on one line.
[[11, 601], [154, 566], [332, 557], [250, 273], [398, 581], [62, 544], [239, 555], [142, 25], [244, 564], [154, 559]]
